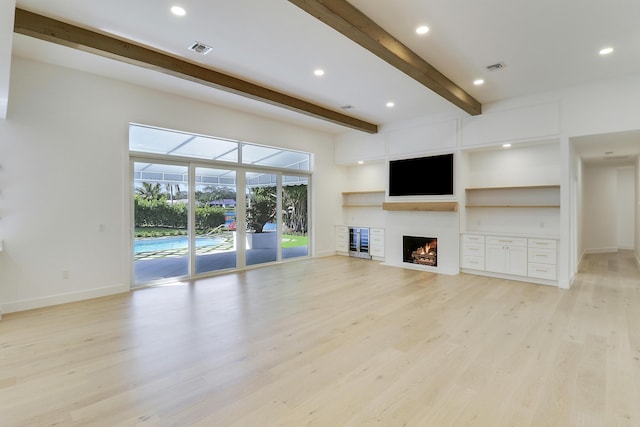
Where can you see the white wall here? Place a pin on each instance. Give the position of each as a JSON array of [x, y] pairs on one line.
[[64, 170], [637, 210], [626, 207], [366, 177], [7, 14], [535, 164], [604, 187], [580, 210]]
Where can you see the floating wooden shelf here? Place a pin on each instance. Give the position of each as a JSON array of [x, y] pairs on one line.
[[512, 206], [531, 196], [421, 206], [521, 187], [347, 193]]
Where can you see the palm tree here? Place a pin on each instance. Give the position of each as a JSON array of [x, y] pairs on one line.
[[149, 191], [170, 191]]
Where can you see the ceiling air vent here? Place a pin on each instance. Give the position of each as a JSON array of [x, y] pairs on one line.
[[200, 48], [495, 67]]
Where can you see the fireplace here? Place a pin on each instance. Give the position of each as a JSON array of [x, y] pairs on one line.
[[420, 250]]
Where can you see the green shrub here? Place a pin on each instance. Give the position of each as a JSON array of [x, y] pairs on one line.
[[160, 213]]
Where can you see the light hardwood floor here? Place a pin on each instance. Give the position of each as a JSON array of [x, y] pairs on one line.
[[334, 342]]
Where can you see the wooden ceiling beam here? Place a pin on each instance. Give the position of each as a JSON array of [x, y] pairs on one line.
[[349, 21], [51, 30]]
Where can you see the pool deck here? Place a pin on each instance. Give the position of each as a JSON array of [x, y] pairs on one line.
[[175, 264]]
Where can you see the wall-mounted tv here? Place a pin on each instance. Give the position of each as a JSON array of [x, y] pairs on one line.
[[423, 176]]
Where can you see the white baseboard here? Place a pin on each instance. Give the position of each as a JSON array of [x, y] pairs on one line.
[[323, 254], [601, 251], [580, 260], [30, 304], [526, 279]]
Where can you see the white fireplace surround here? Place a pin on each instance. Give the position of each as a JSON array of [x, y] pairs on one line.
[[441, 225]]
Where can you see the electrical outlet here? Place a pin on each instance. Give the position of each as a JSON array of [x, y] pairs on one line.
[[65, 274]]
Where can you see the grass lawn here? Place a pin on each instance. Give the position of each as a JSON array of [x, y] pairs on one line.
[[290, 241], [159, 232]]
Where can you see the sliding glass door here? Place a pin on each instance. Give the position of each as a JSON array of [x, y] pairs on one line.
[[261, 214], [215, 220], [295, 217], [161, 217], [203, 204]]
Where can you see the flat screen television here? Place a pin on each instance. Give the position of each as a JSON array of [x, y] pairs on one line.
[[423, 176]]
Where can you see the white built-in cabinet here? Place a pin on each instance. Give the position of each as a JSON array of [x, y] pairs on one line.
[[376, 242], [507, 255], [502, 232], [362, 205], [542, 258], [473, 251], [342, 239], [521, 257]]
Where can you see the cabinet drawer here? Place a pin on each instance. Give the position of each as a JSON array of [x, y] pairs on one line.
[[342, 248], [377, 236], [542, 256], [542, 243], [542, 271], [510, 241], [377, 240], [473, 249], [472, 238], [473, 262], [342, 239], [376, 251], [376, 232]]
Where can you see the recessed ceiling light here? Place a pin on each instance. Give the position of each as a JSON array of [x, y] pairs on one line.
[[478, 82], [606, 51], [319, 72], [178, 11], [506, 145], [422, 29], [391, 104], [361, 162]]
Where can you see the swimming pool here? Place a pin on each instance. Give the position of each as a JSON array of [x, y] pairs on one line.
[[156, 244]]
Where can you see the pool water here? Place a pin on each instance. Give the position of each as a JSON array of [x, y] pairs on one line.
[[157, 244]]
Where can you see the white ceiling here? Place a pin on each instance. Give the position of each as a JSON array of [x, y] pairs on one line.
[[544, 45], [616, 149]]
